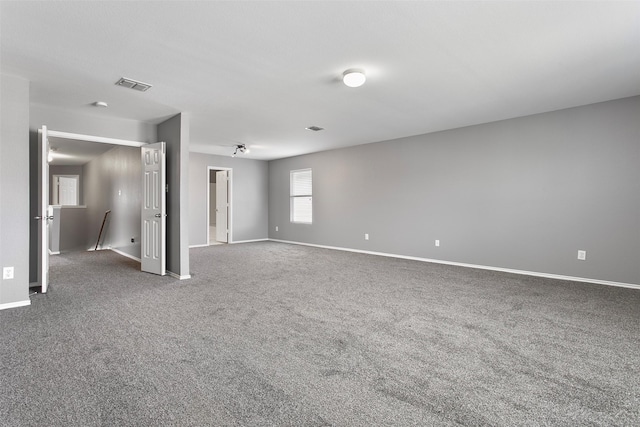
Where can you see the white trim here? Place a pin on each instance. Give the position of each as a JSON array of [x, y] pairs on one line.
[[482, 267], [177, 276], [15, 304], [202, 245], [124, 254], [71, 206], [229, 200], [92, 138], [53, 253], [250, 241]]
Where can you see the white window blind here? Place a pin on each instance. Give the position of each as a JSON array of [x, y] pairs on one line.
[[301, 196]]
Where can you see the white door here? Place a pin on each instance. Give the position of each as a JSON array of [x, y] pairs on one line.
[[222, 206], [43, 210], [67, 187], [153, 251]]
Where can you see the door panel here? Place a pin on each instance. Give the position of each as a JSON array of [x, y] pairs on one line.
[[67, 190], [153, 251], [222, 206]]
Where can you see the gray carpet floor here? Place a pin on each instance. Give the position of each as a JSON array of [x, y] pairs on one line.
[[270, 334]]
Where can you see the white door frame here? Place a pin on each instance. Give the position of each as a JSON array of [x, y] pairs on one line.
[[230, 201], [44, 184], [43, 210]]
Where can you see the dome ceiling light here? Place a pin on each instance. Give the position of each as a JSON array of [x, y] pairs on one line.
[[354, 77]]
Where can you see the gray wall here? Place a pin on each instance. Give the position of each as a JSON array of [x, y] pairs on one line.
[[250, 196], [113, 182], [523, 194], [14, 188], [73, 230], [66, 170], [175, 133]]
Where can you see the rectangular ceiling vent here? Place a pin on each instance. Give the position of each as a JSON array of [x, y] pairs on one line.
[[133, 84]]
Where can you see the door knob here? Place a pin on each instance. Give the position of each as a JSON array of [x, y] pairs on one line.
[[37, 217]]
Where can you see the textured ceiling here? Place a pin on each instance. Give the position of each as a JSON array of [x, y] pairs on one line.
[[260, 72]]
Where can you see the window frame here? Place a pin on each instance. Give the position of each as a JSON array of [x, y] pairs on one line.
[[293, 196]]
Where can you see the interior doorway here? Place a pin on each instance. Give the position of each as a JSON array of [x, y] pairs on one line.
[[128, 192], [219, 205]]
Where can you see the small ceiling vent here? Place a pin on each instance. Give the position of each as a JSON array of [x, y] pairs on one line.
[[133, 84], [314, 128]]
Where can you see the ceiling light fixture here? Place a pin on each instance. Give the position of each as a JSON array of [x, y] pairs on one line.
[[242, 148], [100, 104], [354, 77], [50, 155]]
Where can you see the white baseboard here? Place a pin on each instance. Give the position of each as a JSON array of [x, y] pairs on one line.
[[203, 245], [125, 254], [177, 276], [54, 253], [170, 273], [249, 241], [482, 267], [15, 304]]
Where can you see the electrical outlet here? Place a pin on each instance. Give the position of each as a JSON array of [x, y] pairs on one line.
[[582, 255], [133, 240], [437, 242], [366, 236], [276, 228], [7, 273]]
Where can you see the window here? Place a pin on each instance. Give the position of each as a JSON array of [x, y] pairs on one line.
[[301, 196]]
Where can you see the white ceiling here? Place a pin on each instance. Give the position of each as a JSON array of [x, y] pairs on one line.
[[260, 72]]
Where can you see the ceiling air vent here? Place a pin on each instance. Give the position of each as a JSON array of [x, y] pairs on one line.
[[314, 128], [133, 84]]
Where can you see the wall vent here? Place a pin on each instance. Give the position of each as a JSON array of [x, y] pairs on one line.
[[133, 84]]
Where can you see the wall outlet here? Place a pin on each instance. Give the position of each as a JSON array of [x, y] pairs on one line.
[[582, 255], [366, 236], [276, 228], [133, 240], [437, 242], [7, 273]]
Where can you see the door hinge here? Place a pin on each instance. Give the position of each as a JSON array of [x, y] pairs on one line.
[[166, 188]]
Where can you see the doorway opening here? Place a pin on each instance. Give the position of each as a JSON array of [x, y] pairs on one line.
[[93, 193], [219, 205]]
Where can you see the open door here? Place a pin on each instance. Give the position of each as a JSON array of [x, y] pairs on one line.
[[43, 210], [222, 206], [153, 251]]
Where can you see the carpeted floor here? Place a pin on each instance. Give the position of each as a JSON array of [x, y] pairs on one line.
[[270, 334]]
